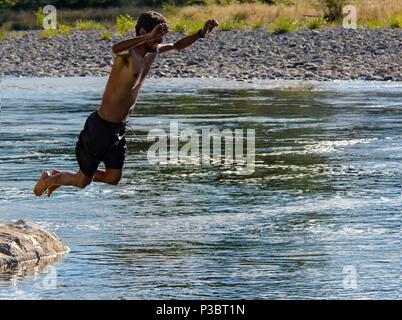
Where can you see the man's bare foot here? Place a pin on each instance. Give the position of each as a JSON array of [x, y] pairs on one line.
[[54, 187], [40, 186]]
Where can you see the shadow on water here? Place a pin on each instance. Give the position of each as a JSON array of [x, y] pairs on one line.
[[279, 118]]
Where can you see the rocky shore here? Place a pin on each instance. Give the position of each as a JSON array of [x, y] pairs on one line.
[[243, 55]]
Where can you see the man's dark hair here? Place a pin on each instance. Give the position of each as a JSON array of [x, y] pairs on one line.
[[149, 20]]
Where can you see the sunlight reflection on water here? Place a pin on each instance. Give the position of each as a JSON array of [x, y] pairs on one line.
[[325, 193]]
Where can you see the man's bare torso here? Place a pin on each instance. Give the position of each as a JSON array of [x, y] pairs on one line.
[[125, 81]]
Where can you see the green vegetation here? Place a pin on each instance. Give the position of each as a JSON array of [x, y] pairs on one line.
[[49, 33], [185, 26], [5, 4], [333, 8], [231, 23], [65, 30], [16, 35], [315, 23], [20, 35], [282, 26], [88, 25], [169, 9], [107, 36], [62, 30], [3, 34], [179, 26], [257, 23], [124, 24], [374, 24], [39, 16], [395, 22]]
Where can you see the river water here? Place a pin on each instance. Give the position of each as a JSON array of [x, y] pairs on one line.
[[318, 218]]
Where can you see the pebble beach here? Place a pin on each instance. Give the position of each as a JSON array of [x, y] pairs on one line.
[[328, 54]]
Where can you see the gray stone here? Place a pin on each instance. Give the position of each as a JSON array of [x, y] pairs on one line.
[[25, 242]]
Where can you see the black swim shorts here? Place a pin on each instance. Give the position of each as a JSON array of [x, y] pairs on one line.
[[101, 141]]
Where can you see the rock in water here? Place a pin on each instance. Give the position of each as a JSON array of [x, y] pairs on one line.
[[22, 242]]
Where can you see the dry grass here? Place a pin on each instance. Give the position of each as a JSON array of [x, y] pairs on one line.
[[248, 14], [238, 16], [370, 13], [255, 15], [381, 10], [25, 20], [377, 14], [3, 34]]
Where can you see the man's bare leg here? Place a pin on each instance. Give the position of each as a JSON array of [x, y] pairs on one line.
[[109, 176], [53, 188], [79, 180]]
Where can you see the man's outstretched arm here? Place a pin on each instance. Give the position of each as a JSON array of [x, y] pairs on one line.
[[189, 40], [128, 44]]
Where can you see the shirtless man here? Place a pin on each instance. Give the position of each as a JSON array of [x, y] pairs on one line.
[[102, 139]]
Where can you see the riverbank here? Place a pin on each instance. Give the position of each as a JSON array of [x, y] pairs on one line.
[[327, 54]]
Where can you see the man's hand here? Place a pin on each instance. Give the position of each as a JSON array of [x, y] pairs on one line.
[[208, 27], [159, 31], [189, 40]]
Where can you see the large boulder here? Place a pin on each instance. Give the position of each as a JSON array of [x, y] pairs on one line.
[[23, 242]]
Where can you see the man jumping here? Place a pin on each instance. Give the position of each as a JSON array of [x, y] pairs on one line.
[[102, 139]]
